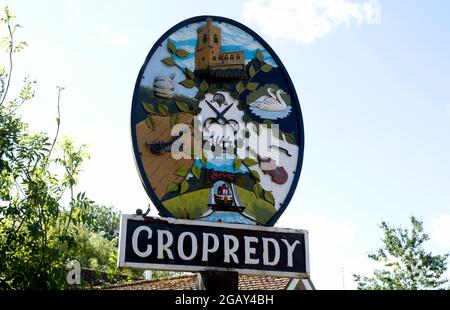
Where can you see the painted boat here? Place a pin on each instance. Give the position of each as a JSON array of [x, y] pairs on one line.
[[224, 200]]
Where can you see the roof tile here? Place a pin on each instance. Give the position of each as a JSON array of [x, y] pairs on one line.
[[189, 282]]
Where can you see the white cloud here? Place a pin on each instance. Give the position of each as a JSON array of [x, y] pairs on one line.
[[440, 227], [188, 48], [307, 20], [187, 33], [187, 62], [232, 35], [73, 12]]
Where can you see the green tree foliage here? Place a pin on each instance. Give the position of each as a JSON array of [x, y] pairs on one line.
[[407, 265], [44, 220], [102, 220]]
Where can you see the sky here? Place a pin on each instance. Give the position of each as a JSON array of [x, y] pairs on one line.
[[233, 39], [373, 82]]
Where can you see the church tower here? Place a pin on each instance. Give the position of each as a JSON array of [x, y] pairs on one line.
[[208, 51]]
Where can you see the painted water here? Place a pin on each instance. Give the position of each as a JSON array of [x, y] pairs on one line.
[[271, 114], [222, 164], [228, 217]]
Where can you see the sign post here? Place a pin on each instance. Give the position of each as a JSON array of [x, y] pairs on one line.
[[218, 280], [218, 140]]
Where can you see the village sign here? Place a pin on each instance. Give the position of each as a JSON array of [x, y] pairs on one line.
[[218, 140]]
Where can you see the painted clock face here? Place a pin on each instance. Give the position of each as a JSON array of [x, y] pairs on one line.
[[216, 125]]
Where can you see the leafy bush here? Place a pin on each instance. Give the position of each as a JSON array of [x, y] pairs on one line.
[[39, 230]]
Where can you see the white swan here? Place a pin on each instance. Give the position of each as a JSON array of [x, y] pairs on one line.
[[272, 103]]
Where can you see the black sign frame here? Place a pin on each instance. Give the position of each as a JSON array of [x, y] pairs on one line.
[[300, 264]]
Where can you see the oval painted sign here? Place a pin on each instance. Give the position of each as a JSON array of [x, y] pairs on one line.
[[216, 125]]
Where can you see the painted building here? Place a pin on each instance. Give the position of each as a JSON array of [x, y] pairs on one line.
[[209, 55]]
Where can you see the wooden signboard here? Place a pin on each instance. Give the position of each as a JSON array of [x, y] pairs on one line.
[[218, 141], [170, 244]]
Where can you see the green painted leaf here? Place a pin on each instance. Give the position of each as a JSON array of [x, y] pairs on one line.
[[237, 164], [196, 171], [204, 86], [252, 86], [170, 46], [149, 122], [269, 197], [246, 118], [184, 187], [259, 55], [249, 162], [257, 189], [266, 68], [188, 83], [200, 95], [181, 53], [163, 109], [168, 61], [174, 119], [212, 89], [251, 71], [255, 174], [148, 107], [240, 87], [182, 171], [268, 123], [182, 106], [257, 129], [172, 187], [195, 107], [290, 138], [203, 160], [189, 74]]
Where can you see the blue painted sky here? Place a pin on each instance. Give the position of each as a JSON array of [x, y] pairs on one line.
[[375, 100], [222, 164], [233, 39]]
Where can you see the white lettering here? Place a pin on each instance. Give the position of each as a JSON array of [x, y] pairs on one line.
[[290, 250], [206, 248], [181, 247], [227, 251], [134, 241], [276, 247], [164, 247], [249, 250]]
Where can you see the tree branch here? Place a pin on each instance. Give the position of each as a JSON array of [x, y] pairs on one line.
[[11, 48], [58, 120]]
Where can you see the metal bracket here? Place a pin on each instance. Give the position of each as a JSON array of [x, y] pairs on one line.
[[300, 284]]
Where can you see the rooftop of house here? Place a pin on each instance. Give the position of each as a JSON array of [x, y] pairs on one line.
[[189, 282]]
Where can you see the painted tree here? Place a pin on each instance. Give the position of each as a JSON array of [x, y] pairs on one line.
[[406, 264]]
